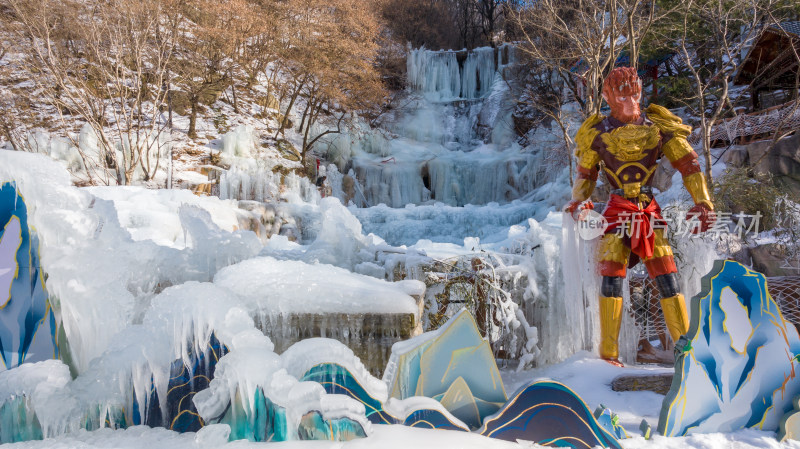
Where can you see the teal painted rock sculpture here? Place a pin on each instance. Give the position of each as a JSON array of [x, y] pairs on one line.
[[452, 364], [737, 365], [27, 322], [548, 413]]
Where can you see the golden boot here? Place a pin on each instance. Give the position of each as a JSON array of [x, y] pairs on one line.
[[610, 321], [675, 316]]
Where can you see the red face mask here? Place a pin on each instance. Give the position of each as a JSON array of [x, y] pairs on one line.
[[623, 95]]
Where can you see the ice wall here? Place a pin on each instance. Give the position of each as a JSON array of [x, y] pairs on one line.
[[451, 177], [253, 179], [100, 278], [446, 224], [449, 138], [449, 75]]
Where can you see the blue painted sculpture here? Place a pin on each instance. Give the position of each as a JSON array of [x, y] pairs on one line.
[[338, 380], [27, 322], [549, 414], [430, 418], [265, 422], [454, 365], [185, 382], [610, 421], [546, 413], [737, 365], [314, 427]]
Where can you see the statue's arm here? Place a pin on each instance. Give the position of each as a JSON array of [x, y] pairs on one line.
[[588, 160], [680, 154]]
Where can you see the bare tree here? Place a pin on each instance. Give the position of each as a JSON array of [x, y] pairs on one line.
[[711, 37], [543, 98], [490, 12], [207, 39], [574, 39], [638, 17], [331, 66], [107, 72]]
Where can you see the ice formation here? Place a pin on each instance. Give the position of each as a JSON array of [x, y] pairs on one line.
[[442, 77], [268, 286], [292, 300], [241, 142], [253, 179], [452, 141]]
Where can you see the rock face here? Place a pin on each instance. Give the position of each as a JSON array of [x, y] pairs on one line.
[[771, 260], [737, 365], [261, 218], [782, 161], [657, 383], [369, 335], [736, 156]]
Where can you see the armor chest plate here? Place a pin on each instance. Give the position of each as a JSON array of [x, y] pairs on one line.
[[630, 154], [631, 142]]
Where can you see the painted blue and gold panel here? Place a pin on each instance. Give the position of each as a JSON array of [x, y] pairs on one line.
[[548, 413], [737, 366], [27, 321]]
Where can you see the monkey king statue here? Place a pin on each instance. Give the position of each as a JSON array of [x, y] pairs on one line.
[[627, 147]]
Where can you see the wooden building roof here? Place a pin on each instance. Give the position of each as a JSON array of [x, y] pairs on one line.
[[771, 63]]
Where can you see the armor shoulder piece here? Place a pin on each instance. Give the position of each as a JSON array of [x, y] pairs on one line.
[[586, 134], [668, 122]]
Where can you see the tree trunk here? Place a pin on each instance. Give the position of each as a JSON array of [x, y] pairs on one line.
[[305, 113], [295, 94], [285, 117], [192, 133], [306, 146], [10, 137], [235, 103], [706, 145]]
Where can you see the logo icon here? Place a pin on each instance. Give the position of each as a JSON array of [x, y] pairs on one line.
[[591, 224]]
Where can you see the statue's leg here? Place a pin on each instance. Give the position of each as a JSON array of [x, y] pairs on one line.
[[613, 261], [661, 267]]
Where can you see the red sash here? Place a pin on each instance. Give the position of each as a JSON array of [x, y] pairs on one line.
[[620, 211]]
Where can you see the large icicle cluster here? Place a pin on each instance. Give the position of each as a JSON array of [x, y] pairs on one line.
[[451, 139], [451, 75]]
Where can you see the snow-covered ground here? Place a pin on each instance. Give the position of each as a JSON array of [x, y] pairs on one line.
[[584, 373]]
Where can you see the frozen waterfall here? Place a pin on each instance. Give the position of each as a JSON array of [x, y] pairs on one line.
[[451, 75], [450, 140]]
